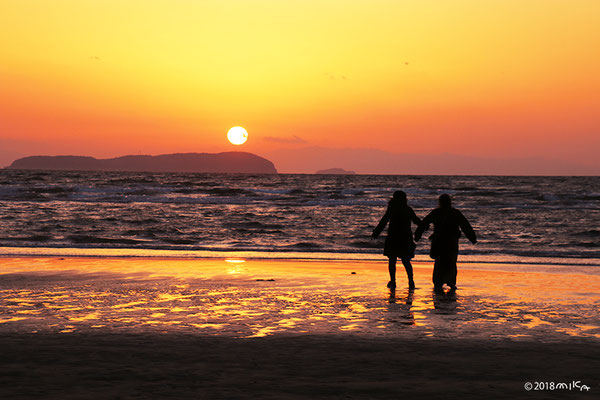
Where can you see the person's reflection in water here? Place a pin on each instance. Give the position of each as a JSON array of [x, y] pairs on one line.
[[400, 308], [392, 295], [445, 302], [447, 225], [399, 241], [408, 299]]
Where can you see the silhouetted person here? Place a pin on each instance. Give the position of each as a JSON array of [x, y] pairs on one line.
[[447, 225], [399, 241]]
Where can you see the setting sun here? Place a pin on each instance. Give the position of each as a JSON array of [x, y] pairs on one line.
[[237, 135]]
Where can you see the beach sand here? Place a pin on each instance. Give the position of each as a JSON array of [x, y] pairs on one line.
[[214, 328]]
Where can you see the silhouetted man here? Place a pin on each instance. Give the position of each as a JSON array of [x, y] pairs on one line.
[[447, 225]]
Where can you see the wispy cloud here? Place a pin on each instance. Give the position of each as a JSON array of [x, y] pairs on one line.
[[335, 77], [288, 140]]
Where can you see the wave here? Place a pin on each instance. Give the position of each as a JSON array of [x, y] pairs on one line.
[[253, 225], [365, 244], [101, 240], [179, 241], [230, 192], [143, 221], [32, 238], [304, 245], [589, 245], [295, 192], [594, 233]]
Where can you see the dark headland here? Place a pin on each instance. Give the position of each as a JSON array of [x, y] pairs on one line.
[[227, 162]]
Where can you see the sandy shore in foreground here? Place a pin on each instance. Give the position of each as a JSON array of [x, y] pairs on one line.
[[109, 366], [288, 329]]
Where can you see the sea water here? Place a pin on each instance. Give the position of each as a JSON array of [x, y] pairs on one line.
[[518, 219]]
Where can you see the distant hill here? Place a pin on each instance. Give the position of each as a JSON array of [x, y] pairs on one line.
[[228, 162], [334, 171]]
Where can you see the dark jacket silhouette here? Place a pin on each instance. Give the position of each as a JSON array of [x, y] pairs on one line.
[[448, 222], [399, 241]]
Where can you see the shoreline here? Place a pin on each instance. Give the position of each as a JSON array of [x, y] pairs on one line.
[[466, 260]]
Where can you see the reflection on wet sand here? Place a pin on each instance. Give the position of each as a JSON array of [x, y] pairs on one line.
[[253, 298], [400, 309]]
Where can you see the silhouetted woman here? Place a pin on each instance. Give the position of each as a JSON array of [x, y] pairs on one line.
[[447, 225], [399, 241]]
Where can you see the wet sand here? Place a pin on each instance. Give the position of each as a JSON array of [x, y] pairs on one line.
[[163, 328]]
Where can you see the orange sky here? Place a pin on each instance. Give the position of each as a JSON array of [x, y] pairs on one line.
[[495, 78]]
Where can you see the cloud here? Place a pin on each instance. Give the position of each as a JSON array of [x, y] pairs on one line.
[[288, 140], [335, 77]]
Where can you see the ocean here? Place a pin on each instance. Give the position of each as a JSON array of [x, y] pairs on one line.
[[518, 219]]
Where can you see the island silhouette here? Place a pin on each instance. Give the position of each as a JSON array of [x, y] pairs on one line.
[[226, 162]]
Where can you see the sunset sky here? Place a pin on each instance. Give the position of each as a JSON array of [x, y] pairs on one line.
[[494, 78]]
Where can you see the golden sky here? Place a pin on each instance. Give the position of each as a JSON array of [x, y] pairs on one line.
[[492, 78]]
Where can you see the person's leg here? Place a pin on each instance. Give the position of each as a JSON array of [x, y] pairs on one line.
[[392, 269], [451, 272], [409, 272], [437, 278]]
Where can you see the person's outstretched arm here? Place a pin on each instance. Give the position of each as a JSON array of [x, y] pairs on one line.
[[423, 226], [381, 225], [414, 217], [466, 227]]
